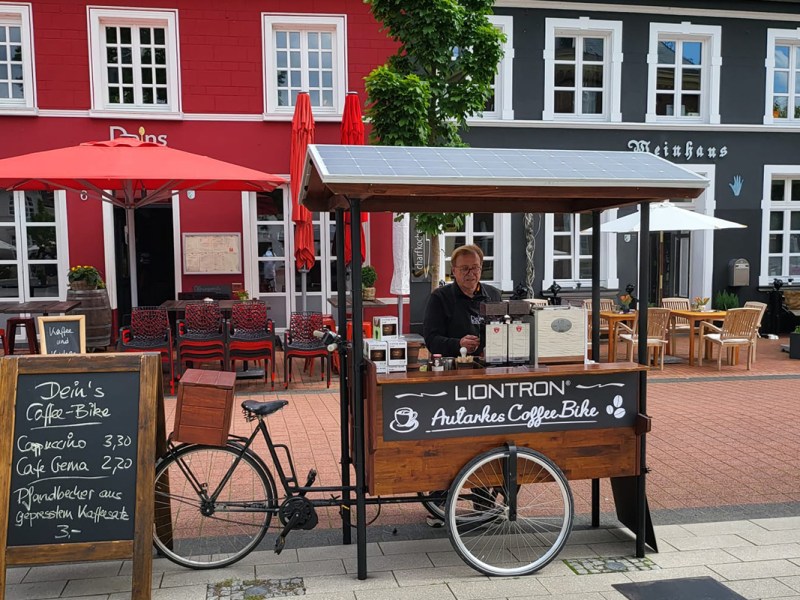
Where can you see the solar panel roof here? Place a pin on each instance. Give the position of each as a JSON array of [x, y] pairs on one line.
[[439, 179]]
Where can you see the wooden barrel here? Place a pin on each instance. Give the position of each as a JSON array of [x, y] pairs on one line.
[[95, 305]]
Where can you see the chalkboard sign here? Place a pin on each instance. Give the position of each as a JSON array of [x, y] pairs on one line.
[[63, 335], [76, 465]]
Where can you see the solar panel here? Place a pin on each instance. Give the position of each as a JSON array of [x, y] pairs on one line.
[[496, 166]]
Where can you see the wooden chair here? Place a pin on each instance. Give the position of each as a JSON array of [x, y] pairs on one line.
[[677, 324], [299, 342], [738, 329], [657, 326], [251, 336], [149, 331], [201, 335], [762, 307]]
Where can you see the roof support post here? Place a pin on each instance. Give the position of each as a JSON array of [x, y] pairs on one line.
[[644, 289], [344, 374]]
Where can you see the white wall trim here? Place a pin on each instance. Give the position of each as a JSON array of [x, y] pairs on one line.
[[109, 253], [249, 244], [770, 171], [774, 37], [22, 14], [177, 242], [608, 258], [504, 81], [648, 10]]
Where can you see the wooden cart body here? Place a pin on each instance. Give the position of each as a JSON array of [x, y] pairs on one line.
[[429, 458]]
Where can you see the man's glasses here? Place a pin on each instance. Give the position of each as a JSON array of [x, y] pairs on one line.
[[466, 270]]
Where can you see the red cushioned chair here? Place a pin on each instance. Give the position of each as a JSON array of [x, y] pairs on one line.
[[299, 342], [251, 335], [149, 331], [201, 335]]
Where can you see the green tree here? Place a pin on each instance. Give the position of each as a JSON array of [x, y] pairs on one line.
[[441, 74]]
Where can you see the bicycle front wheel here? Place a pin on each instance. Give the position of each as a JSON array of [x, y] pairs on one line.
[[203, 523], [509, 525]]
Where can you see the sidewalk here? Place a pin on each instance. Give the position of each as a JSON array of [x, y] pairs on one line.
[[724, 491], [757, 558]]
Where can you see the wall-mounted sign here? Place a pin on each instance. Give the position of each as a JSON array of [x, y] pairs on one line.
[[463, 408], [684, 150], [62, 335], [212, 253]]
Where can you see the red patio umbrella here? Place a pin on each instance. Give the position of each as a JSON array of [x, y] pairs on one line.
[[302, 136], [144, 172], [352, 133]]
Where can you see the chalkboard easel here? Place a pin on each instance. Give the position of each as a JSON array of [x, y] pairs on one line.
[[76, 471], [65, 334]]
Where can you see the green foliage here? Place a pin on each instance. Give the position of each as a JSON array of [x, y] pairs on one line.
[[441, 75], [368, 276], [88, 274], [725, 300], [242, 295], [797, 330]]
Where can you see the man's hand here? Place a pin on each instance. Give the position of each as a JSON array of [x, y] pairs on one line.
[[470, 342]]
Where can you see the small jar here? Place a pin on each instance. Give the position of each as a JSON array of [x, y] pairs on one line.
[[437, 364]]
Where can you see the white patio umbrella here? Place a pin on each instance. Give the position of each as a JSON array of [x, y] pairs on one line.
[[665, 216], [401, 277]]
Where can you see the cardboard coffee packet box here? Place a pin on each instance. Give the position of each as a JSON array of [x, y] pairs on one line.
[[377, 351]]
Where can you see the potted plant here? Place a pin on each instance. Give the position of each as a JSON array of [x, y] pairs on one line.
[[368, 278], [85, 277], [625, 303], [725, 300], [242, 295], [794, 343], [699, 302]]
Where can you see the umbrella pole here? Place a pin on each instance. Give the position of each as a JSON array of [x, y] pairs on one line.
[[303, 299], [400, 315], [130, 219]]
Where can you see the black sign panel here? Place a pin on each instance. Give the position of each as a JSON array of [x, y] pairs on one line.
[[448, 408], [61, 337], [73, 471]]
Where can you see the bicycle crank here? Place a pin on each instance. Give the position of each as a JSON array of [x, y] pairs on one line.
[[295, 513]]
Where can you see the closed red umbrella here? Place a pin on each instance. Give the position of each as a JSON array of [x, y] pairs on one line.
[[302, 136], [352, 133]]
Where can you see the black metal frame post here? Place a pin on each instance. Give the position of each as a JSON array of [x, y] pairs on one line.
[[596, 338], [357, 386], [644, 289], [344, 390]]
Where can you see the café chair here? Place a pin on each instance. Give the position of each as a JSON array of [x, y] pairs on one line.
[[738, 329], [4, 341], [201, 335], [762, 307], [299, 342], [677, 324], [657, 325], [149, 331], [251, 336], [29, 326]]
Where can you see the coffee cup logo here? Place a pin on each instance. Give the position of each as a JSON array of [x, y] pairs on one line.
[[405, 420]]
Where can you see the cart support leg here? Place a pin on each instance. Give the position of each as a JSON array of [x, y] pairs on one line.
[[595, 503], [510, 476]]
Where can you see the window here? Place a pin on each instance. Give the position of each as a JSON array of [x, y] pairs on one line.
[[583, 68], [17, 93], [488, 231], [783, 76], [568, 251], [304, 53], [134, 61], [781, 226], [684, 72], [499, 106], [33, 258]]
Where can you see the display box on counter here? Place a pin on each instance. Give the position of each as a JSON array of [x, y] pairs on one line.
[[519, 342], [385, 328], [377, 351], [560, 334], [397, 355], [496, 349], [493, 310]]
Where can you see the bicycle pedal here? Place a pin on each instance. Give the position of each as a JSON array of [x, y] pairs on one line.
[[279, 544], [311, 478]]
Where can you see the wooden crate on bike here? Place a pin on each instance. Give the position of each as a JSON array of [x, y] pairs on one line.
[[203, 413]]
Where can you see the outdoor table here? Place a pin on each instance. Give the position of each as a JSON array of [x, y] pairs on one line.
[[695, 317], [179, 306], [614, 318], [43, 307], [334, 302]]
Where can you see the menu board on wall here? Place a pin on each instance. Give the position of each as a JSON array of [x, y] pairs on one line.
[[212, 253]]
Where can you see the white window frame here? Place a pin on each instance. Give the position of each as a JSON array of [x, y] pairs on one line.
[[711, 64], [767, 205], [608, 256], [611, 31], [21, 226], [19, 15], [503, 80], [337, 24], [98, 19], [502, 250], [779, 37]]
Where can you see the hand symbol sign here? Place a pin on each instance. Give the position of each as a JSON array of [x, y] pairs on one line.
[[736, 186]]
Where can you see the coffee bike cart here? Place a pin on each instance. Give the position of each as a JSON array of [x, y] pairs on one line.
[[503, 441]]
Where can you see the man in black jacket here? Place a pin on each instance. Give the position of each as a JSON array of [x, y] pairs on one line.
[[452, 316]]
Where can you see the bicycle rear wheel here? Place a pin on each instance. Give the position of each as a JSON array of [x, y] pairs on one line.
[[509, 528], [197, 532]]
